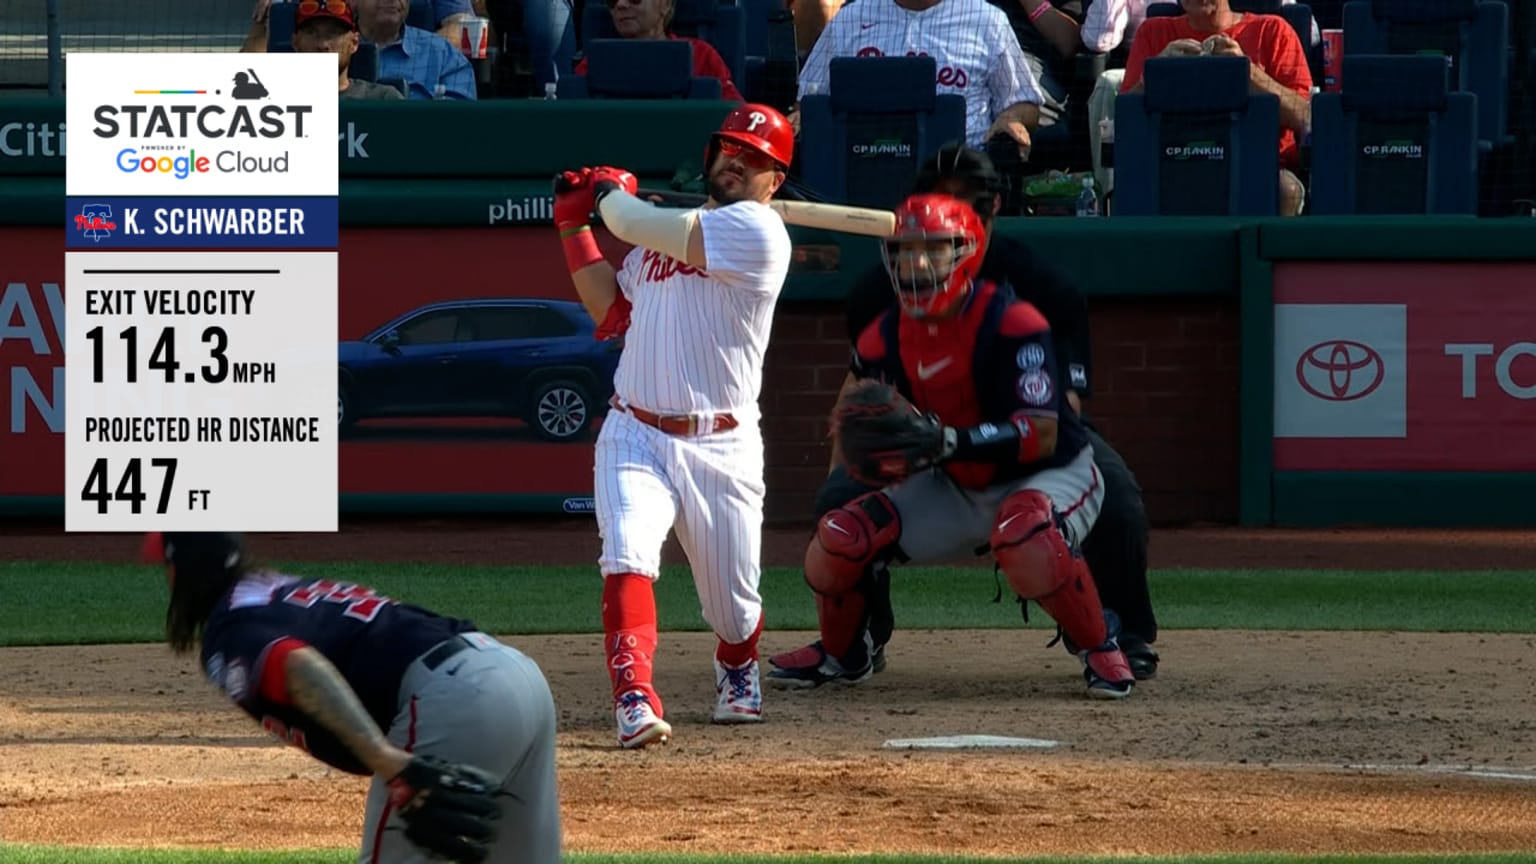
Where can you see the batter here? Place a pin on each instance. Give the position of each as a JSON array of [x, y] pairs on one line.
[[682, 448]]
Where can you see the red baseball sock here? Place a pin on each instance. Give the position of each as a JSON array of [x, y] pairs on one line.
[[629, 628], [738, 654]]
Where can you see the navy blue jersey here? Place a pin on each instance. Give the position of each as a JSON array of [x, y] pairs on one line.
[[992, 363], [370, 638]]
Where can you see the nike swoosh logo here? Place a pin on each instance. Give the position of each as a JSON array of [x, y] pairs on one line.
[[926, 372], [865, 26], [838, 528]]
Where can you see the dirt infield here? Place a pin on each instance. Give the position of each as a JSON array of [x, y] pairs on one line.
[[1304, 742]]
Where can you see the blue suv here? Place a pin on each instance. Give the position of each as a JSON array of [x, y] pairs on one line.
[[533, 359]]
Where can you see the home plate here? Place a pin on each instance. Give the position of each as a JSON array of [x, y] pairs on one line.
[[968, 742]]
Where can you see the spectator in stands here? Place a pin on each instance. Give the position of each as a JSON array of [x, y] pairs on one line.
[[449, 15], [432, 67], [1049, 35], [652, 19], [977, 54], [331, 26], [1277, 65], [548, 29]]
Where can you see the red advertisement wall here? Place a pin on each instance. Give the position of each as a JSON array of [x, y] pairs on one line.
[[1405, 367], [385, 274]]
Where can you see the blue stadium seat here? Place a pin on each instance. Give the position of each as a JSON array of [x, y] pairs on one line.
[[280, 22], [638, 69], [1195, 142], [861, 143], [724, 27], [1474, 34], [1397, 140]]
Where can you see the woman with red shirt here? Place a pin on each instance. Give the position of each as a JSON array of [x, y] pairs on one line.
[[1278, 65]]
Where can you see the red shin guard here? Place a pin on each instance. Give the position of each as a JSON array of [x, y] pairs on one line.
[[738, 654], [629, 634], [840, 619]]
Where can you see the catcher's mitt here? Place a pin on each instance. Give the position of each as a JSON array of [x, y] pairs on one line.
[[447, 809], [882, 438]]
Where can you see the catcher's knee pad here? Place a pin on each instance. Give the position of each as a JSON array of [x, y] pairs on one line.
[[848, 541], [1042, 566]]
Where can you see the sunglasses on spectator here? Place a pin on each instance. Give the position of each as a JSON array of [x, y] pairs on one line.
[[335, 7], [754, 159]]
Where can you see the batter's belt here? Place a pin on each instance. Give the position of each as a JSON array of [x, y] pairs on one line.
[[678, 424]]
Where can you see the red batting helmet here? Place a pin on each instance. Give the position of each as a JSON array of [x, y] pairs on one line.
[[759, 127], [939, 242]]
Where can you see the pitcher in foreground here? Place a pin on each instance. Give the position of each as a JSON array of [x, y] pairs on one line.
[[456, 728]]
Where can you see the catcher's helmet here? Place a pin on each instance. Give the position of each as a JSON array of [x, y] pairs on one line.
[[758, 127], [934, 254]]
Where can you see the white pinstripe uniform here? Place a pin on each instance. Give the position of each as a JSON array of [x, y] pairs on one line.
[[695, 346], [971, 42]]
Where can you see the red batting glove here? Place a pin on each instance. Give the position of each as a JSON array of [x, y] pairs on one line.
[[573, 199], [606, 179], [573, 211]]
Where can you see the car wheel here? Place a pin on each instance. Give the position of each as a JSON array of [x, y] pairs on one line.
[[346, 411], [561, 411]]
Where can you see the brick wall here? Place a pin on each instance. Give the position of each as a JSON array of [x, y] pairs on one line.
[[1166, 395]]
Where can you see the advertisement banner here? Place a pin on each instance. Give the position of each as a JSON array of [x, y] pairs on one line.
[[466, 365], [1404, 367]]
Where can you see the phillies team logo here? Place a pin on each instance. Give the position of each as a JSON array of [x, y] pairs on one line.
[[756, 119]]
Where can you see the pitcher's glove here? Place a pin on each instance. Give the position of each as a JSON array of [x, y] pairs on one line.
[[447, 809], [883, 439]]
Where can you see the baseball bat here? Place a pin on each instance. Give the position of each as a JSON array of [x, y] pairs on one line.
[[807, 214]]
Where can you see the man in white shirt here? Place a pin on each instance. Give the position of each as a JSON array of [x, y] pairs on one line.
[[975, 49], [682, 448]]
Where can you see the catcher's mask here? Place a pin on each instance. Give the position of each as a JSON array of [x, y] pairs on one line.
[[934, 254]]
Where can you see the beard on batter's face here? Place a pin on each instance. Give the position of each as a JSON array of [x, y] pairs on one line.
[[732, 180]]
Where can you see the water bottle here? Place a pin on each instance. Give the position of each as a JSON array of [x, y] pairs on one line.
[[1087, 200], [549, 91]]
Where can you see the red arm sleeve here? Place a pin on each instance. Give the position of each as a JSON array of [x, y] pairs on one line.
[[616, 322], [273, 674]]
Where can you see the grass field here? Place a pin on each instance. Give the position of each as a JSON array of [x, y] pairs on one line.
[[43, 603], [115, 603]]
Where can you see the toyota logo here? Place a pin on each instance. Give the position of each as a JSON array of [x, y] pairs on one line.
[[1340, 370]]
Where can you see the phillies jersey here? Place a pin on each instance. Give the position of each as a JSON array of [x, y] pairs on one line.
[[695, 340], [971, 42], [987, 364], [370, 638]]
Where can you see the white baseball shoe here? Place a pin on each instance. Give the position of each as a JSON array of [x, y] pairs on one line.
[[638, 724], [738, 693]]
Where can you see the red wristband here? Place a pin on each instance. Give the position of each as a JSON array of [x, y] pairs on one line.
[[580, 247], [1029, 440], [1040, 10]]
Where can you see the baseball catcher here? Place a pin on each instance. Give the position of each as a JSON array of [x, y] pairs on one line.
[[958, 423], [456, 729]]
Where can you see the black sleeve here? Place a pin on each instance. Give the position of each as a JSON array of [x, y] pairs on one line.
[[868, 296], [1063, 305], [1026, 384]]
